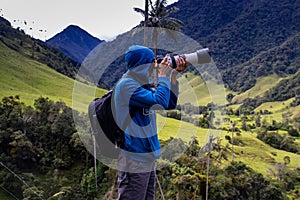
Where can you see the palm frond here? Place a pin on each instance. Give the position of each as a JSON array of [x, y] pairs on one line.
[[172, 10], [163, 3], [175, 22], [152, 13], [158, 18], [161, 6], [152, 6], [141, 11], [165, 13]]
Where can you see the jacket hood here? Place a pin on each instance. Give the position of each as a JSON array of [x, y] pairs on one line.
[[139, 59]]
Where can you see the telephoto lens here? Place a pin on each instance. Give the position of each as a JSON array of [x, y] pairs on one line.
[[201, 56]]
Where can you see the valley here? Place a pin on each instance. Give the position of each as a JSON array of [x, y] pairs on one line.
[[252, 118]]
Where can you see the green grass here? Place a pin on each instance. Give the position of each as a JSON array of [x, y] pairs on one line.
[[234, 107], [168, 127], [261, 86], [260, 156], [255, 153], [198, 92], [296, 112], [30, 80], [278, 108]]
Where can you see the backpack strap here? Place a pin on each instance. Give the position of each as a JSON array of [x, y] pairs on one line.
[[129, 115], [118, 144]]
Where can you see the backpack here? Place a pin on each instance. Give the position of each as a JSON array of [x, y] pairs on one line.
[[108, 135]]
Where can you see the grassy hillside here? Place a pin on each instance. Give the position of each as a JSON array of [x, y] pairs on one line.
[[37, 50], [279, 108], [260, 156], [193, 89], [255, 153], [30, 79], [192, 85], [262, 85]]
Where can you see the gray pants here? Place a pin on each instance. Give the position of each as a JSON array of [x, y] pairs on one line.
[[139, 185]]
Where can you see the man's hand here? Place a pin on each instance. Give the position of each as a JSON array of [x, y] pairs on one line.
[[164, 67], [181, 64]]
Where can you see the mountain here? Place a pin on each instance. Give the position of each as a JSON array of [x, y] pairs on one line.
[[30, 68], [236, 31], [74, 42], [4, 21], [282, 60]]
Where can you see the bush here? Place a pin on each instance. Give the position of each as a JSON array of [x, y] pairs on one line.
[[278, 141], [293, 132]]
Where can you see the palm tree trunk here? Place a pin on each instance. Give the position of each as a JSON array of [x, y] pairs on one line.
[[208, 165], [95, 163], [146, 22], [232, 141]]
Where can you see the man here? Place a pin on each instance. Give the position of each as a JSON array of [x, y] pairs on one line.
[[135, 97]]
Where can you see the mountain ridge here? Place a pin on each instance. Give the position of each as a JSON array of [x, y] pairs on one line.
[[74, 42]]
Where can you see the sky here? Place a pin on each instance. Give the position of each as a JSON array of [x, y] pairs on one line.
[[42, 19]]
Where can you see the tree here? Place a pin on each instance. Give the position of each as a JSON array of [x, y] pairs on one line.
[[232, 140], [10, 112], [8, 180], [43, 106], [244, 125], [33, 193], [287, 160], [22, 150], [293, 132], [229, 97], [87, 184], [257, 120], [146, 21], [208, 147], [26, 118], [158, 18]]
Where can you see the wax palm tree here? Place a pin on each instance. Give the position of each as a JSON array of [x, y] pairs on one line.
[[158, 18], [208, 147]]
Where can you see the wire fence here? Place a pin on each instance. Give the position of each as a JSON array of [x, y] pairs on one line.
[[20, 179]]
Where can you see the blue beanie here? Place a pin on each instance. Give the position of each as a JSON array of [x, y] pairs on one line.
[[138, 55]]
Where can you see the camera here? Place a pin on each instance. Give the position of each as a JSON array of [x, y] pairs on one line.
[[201, 56]]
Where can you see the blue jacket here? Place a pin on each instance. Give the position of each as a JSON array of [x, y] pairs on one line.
[[134, 95]]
